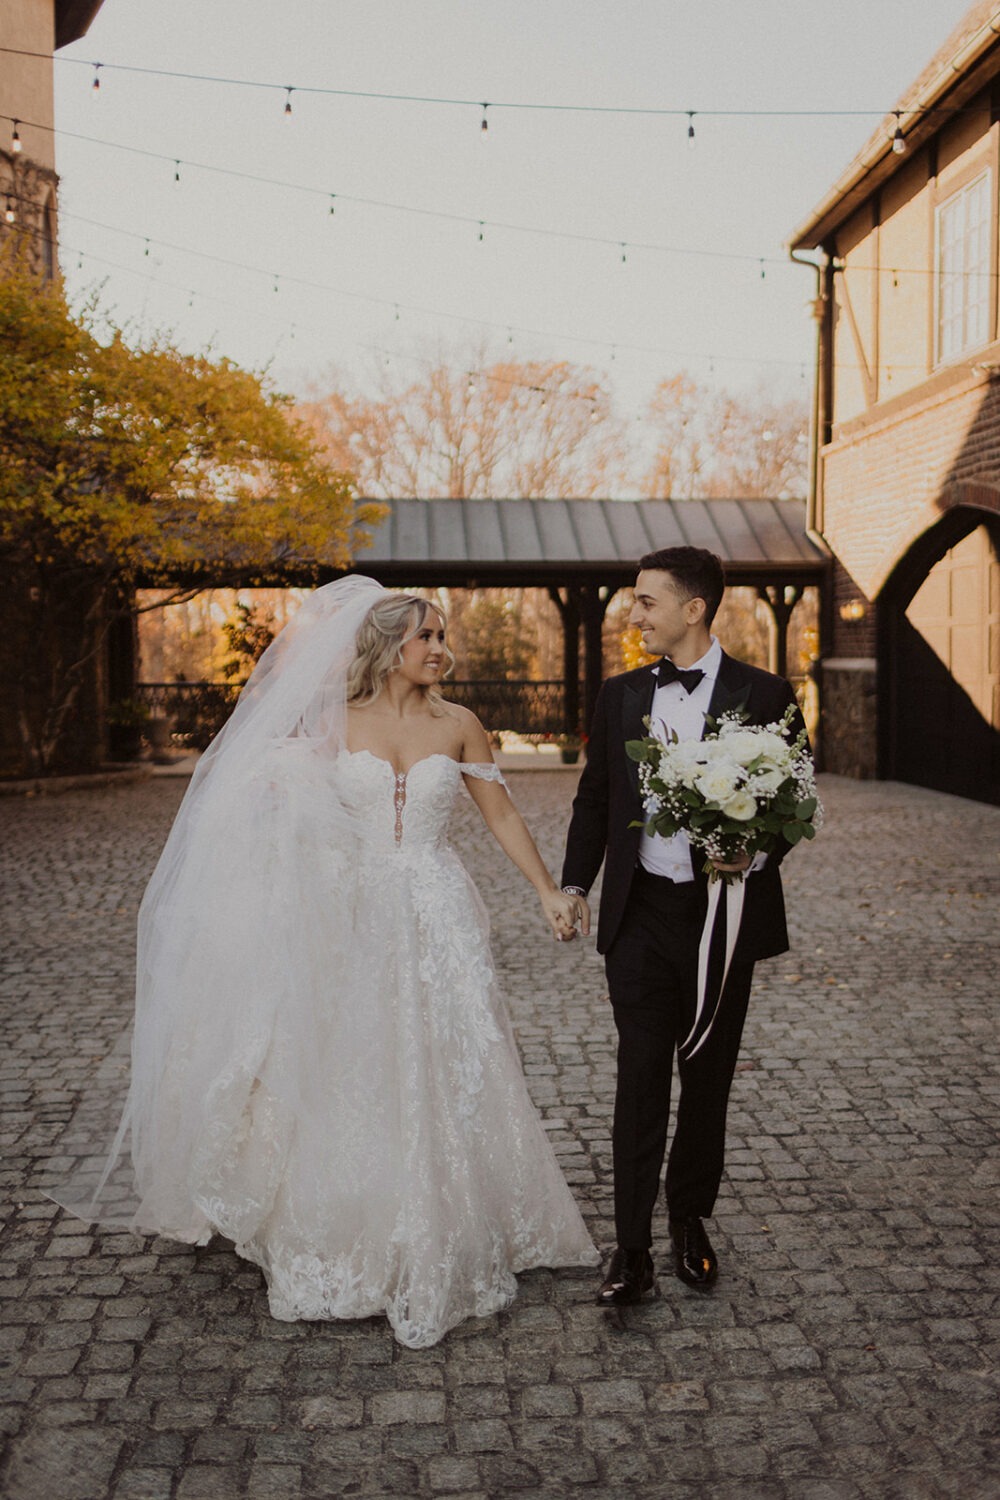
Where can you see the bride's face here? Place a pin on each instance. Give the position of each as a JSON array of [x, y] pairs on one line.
[[424, 653]]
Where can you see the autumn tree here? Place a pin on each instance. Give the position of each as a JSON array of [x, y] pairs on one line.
[[716, 445], [121, 465], [475, 429]]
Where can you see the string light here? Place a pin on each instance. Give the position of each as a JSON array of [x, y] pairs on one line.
[[15, 139], [288, 103], [622, 249], [333, 197], [898, 141], [10, 213], [409, 208], [410, 307], [485, 125], [95, 87], [537, 106], [177, 171], [690, 127], [482, 227]]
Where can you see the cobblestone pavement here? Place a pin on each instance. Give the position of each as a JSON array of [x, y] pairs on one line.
[[849, 1351]]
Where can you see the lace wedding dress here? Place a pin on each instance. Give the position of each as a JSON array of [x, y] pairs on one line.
[[434, 1181], [361, 1128]]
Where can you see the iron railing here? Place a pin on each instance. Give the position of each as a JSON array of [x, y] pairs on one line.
[[535, 710]]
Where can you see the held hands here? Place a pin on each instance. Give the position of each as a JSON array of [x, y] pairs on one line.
[[563, 912]]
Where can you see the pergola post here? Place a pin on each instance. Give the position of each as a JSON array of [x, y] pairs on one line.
[[569, 615], [594, 599], [780, 599]]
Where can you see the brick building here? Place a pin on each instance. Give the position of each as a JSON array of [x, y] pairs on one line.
[[907, 469], [31, 30]]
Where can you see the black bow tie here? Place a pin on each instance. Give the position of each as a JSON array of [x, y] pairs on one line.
[[688, 678]]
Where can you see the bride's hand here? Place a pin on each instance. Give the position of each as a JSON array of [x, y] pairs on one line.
[[560, 913]]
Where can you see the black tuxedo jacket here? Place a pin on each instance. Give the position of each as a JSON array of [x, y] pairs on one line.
[[608, 800]]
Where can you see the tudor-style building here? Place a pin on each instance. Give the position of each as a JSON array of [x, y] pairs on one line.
[[907, 467], [31, 30]]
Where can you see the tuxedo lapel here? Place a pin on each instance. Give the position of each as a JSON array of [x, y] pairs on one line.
[[731, 692], [637, 701]]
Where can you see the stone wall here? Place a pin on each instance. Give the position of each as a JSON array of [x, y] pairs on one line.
[[850, 717]]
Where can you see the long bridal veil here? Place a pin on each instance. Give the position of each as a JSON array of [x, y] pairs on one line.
[[246, 919]]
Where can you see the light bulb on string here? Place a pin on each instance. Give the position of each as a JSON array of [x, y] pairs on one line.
[[15, 138], [482, 227], [10, 212], [485, 124], [177, 171], [690, 127], [95, 87], [898, 140], [763, 275], [333, 197], [288, 103], [622, 248]]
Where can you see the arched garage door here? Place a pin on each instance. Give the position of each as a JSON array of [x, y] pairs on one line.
[[944, 671]]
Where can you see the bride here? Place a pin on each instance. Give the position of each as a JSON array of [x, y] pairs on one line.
[[322, 1070]]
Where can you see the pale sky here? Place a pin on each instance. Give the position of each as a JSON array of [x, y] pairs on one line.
[[405, 283]]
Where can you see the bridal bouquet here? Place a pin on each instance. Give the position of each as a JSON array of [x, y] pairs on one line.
[[741, 788]]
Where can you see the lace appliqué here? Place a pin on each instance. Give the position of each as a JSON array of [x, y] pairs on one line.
[[481, 771]]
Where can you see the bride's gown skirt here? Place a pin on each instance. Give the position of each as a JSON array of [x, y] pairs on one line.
[[339, 1091]]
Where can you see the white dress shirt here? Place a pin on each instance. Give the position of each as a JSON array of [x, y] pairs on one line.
[[674, 708]]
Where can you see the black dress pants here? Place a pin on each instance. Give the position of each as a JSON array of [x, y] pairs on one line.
[[652, 970]]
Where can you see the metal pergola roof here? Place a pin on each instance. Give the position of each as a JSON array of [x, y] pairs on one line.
[[543, 542]]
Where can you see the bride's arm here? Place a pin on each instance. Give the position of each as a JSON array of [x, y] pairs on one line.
[[511, 832]]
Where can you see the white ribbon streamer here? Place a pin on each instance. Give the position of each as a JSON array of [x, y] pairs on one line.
[[735, 893]]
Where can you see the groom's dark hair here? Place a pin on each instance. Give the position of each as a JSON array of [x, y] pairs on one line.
[[698, 574]]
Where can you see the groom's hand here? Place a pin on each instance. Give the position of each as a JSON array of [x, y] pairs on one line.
[[581, 912]]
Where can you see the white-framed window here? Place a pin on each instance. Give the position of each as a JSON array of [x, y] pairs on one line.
[[963, 270]]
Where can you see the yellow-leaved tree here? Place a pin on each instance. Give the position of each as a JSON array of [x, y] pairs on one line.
[[125, 466]]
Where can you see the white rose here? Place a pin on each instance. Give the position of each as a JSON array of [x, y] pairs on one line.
[[718, 783], [767, 780], [773, 748], [741, 807], [741, 744], [685, 764]]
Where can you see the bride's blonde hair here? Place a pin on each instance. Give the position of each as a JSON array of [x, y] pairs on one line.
[[379, 643]]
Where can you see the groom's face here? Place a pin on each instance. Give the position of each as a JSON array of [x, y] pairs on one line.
[[664, 616]]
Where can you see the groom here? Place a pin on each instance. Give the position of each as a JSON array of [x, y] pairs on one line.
[[652, 913]]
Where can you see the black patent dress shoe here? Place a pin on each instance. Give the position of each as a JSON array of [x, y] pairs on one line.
[[630, 1276], [695, 1261]]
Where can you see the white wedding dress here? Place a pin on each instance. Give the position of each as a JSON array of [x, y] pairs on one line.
[[362, 1128]]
